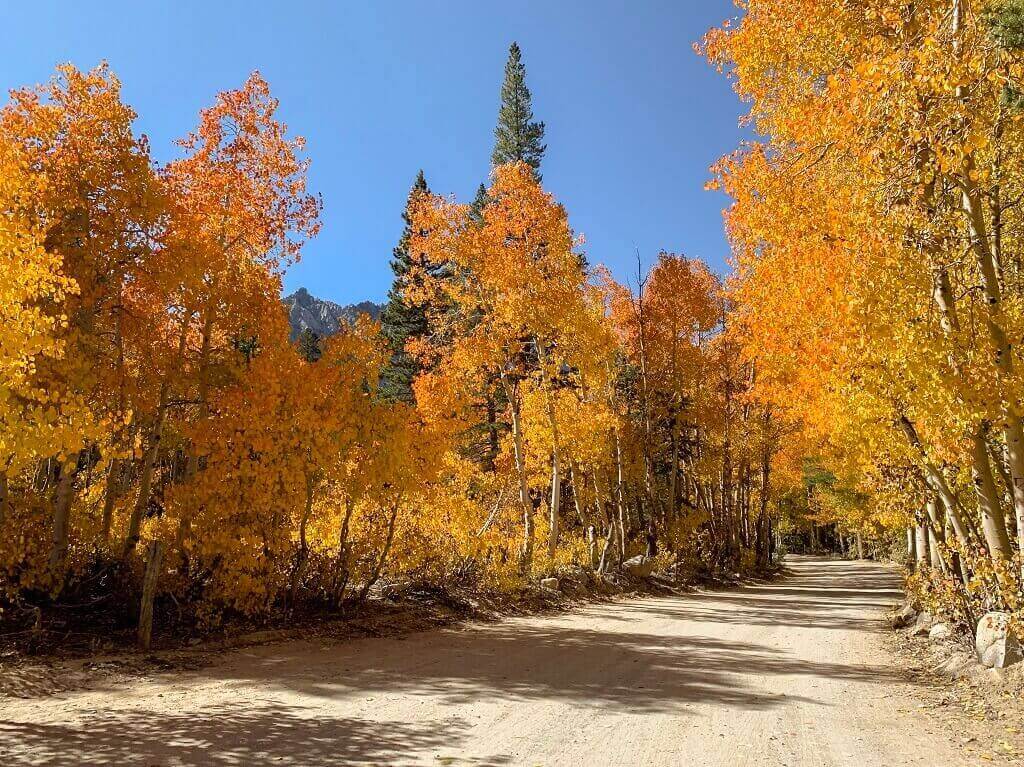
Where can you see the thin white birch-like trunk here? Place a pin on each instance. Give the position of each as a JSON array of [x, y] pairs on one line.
[[993, 524], [921, 544]]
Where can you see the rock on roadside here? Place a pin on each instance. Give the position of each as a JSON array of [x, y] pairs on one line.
[[905, 617], [549, 583], [996, 645], [922, 625], [639, 566]]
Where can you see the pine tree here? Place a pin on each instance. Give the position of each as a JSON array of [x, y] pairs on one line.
[[478, 204], [517, 137], [401, 320], [309, 345], [1005, 20]]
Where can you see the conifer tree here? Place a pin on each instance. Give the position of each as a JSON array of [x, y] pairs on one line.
[[400, 319], [1005, 20], [478, 204], [309, 345], [517, 137]]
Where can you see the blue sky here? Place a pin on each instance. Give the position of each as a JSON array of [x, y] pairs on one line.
[[380, 89]]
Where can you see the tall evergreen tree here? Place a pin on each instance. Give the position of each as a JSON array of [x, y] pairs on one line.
[[309, 345], [401, 320], [478, 204], [517, 137]]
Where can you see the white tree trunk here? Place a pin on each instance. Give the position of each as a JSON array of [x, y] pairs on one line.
[[993, 524], [921, 544]]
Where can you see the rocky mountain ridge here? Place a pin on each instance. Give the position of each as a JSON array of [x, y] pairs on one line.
[[323, 317]]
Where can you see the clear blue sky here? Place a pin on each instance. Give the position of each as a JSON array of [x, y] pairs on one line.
[[380, 89]]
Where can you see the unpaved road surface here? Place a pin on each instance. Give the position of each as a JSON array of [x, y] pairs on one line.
[[791, 673]]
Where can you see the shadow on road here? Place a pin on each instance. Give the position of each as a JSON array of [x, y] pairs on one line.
[[684, 655], [227, 735]]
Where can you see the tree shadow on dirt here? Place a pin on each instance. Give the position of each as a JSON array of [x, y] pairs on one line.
[[222, 736], [830, 595], [654, 668], [748, 609], [623, 671], [610, 667]]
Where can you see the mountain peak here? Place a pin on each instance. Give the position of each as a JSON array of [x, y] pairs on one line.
[[325, 318]]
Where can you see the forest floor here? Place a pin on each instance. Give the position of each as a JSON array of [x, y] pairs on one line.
[[797, 672]]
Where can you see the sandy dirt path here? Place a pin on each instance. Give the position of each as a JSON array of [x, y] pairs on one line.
[[791, 673]]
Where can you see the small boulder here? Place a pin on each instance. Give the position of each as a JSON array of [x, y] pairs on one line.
[[996, 645], [939, 631], [392, 591], [922, 625], [905, 617], [549, 583], [639, 566]]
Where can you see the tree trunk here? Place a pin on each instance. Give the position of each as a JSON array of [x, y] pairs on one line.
[[761, 544], [936, 534], [973, 206], [921, 544], [5, 492], [619, 500], [938, 483], [592, 547], [860, 545], [609, 541], [577, 488], [492, 432], [937, 562], [379, 567], [556, 486], [645, 408], [993, 524], [152, 450], [727, 506], [526, 554], [149, 582], [145, 481], [62, 512], [110, 496], [303, 554], [1014, 435], [673, 485], [341, 569]]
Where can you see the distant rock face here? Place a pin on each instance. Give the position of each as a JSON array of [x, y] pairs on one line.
[[325, 318]]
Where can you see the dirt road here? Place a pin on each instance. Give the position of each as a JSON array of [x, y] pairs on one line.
[[792, 673]]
